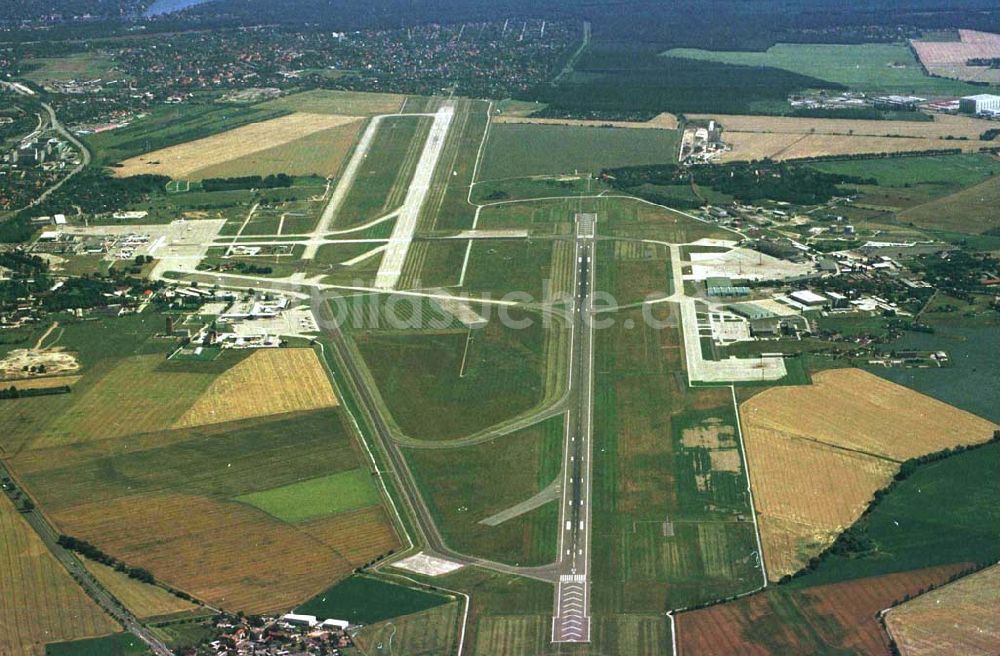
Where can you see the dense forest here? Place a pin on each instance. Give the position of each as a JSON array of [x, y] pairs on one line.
[[747, 182]]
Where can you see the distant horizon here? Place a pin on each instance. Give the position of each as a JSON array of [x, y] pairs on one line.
[[160, 7]]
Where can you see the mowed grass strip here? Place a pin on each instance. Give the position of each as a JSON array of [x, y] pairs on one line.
[[317, 497], [39, 602], [182, 160], [143, 599], [271, 381]]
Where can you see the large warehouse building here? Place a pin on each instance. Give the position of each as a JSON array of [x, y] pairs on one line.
[[983, 103]]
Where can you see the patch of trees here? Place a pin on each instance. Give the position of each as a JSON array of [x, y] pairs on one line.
[[989, 62], [248, 182], [94, 191], [990, 134], [628, 82], [13, 392], [92, 552], [747, 182]]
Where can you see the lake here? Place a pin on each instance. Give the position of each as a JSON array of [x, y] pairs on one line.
[[160, 7]]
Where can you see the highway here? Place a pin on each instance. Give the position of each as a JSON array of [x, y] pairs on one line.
[[571, 617]]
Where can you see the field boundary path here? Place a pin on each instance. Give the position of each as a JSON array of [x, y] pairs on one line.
[[108, 603]]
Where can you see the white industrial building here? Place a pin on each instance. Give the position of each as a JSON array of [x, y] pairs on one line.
[[983, 103]]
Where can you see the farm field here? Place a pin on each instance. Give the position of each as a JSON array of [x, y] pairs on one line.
[[185, 160], [269, 381], [367, 600], [435, 390], [839, 618], [118, 644], [117, 501], [945, 513], [945, 171], [98, 470], [514, 151], [783, 137], [467, 485], [962, 617], [873, 68], [144, 600], [950, 58], [317, 497], [321, 153], [39, 602], [969, 211], [169, 125], [324, 101], [818, 453], [969, 383]]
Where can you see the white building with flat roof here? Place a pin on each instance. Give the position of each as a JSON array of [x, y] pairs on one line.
[[979, 104]]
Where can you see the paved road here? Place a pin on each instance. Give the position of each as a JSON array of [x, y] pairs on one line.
[[72, 563], [571, 618]]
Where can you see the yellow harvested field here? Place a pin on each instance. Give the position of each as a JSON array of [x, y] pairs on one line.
[[853, 409], [662, 121], [818, 453], [142, 599], [184, 160], [786, 137], [321, 153], [271, 381], [962, 617], [39, 602], [792, 480]]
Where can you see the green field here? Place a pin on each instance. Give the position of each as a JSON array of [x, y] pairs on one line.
[[118, 644], [970, 383], [326, 101], [426, 632], [517, 151], [501, 266], [82, 67], [384, 176], [466, 485], [317, 497], [366, 600], [946, 171], [453, 383], [881, 68], [969, 211], [946, 512]]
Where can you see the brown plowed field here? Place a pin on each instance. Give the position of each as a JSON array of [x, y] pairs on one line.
[[823, 619], [960, 618]]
